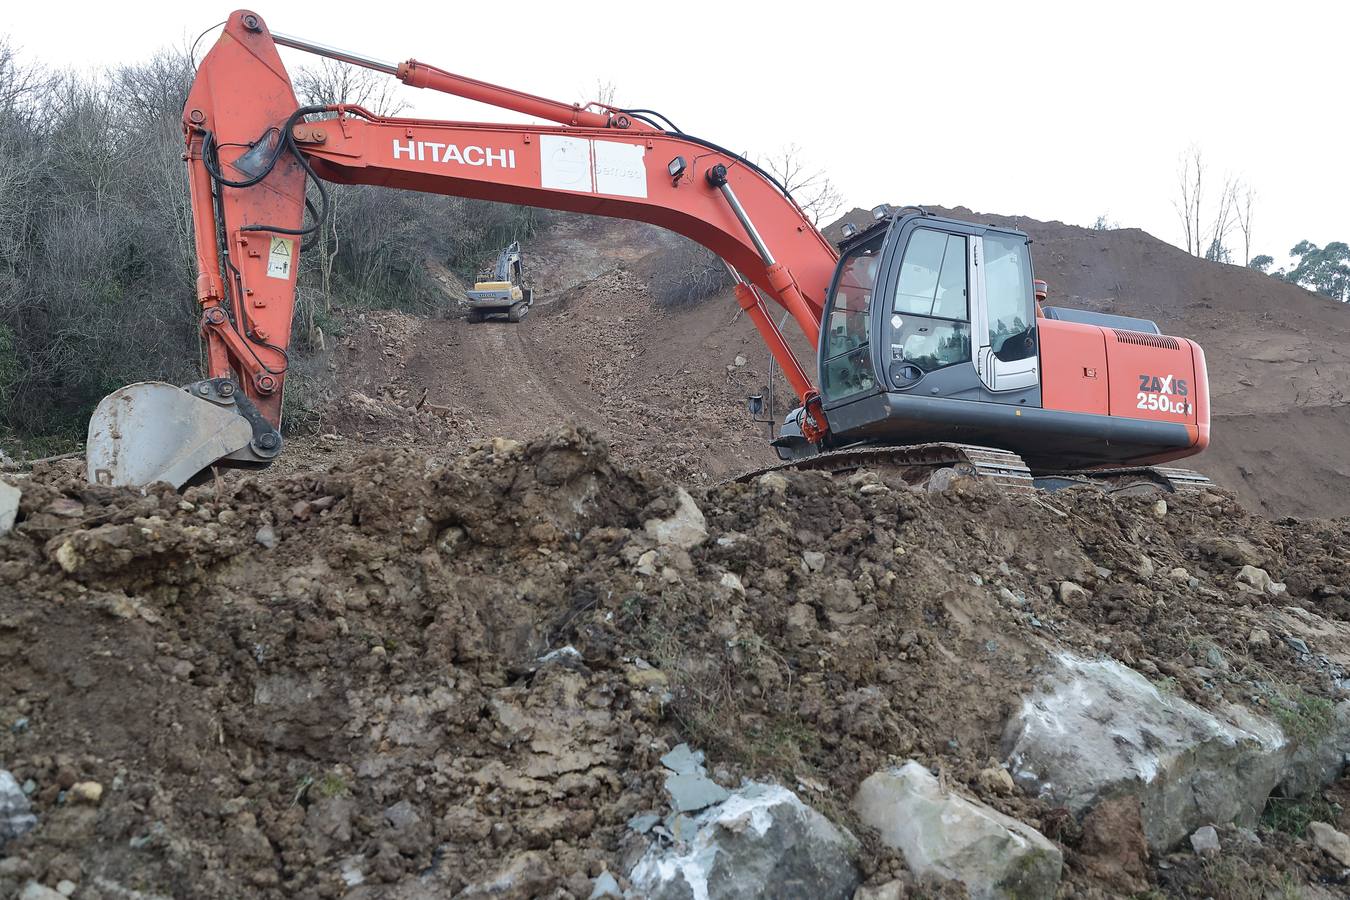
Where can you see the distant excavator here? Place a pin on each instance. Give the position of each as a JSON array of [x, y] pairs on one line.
[[933, 350], [501, 289]]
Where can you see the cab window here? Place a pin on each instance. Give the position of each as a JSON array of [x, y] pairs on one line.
[[1008, 293], [933, 276], [852, 300], [848, 367], [930, 315]]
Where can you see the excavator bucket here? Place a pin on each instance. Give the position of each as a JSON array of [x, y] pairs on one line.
[[151, 431]]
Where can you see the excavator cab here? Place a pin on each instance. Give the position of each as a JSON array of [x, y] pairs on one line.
[[932, 332]]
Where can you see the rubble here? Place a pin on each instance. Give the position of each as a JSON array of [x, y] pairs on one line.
[[473, 673]]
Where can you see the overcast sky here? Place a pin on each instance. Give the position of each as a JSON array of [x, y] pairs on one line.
[[1060, 111]]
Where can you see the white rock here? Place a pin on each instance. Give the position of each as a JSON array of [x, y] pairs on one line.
[[1069, 592], [16, 815], [1160, 509], [606, 885], [1098, 729], [761, 842], [1250, 578], [65, 887], [814, 560], [947, 836], [1330, 841], [740, 361], [1205, 841], [773, 481], [732, 582], [686, 528], [34, 891], [87, 792], [891, 890], [9, 506]]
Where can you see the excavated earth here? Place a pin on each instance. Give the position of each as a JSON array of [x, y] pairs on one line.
[[416, 677], [412, 660]]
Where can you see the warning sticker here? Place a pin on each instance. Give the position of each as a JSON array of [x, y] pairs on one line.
[[279, 258]]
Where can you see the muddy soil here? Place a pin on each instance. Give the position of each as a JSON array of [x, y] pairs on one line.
[[455, 675]]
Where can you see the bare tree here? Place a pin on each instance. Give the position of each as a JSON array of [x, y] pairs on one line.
[[1221, 225], [1206, 228], [813, 190], [1244, 221], [333, 82], [604, 92], [1190, 176]]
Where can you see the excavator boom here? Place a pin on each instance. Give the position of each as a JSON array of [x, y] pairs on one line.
[[251, 150]]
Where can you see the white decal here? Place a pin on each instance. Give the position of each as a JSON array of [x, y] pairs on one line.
[[565, 163], [595, 167], [619, 169], [469, 155], [279, 258], [1162, 402]]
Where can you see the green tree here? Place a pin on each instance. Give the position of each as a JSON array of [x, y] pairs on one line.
[[1261, 263], [1325, 270]]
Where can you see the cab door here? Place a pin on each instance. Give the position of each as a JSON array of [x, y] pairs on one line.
[[845, 340], [1003, 312]]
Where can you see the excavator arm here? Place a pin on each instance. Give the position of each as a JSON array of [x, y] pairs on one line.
[[252, 149]]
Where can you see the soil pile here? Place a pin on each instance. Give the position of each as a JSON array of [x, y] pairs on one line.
[[410, 676]]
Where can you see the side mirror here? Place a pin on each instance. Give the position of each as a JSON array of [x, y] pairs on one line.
[[1042, 290]]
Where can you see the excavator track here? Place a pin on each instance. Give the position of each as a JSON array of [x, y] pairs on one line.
[[917, 462]]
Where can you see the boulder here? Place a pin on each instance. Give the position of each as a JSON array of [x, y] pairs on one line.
[[686, 528], [1205, 841], [947, 836], [16, 816], [762, 841], [1072, 593], [1254, 579], [1330, 841], [1098, 729]]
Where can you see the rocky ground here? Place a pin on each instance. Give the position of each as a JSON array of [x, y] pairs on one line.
[[529, 670], [415, 660]]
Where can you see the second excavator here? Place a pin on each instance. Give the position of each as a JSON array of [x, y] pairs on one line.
[[933, 347], [501, 289]]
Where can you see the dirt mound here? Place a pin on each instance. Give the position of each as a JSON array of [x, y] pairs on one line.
[[1278, 356], [409, 676]]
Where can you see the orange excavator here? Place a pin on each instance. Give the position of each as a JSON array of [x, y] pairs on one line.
[[933, 345]]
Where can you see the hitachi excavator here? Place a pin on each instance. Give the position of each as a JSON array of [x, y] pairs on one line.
[[933, 349]]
